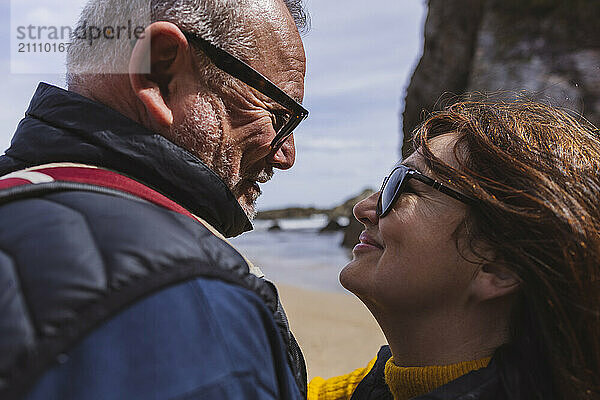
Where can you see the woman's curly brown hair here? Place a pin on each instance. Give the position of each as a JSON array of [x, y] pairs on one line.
[[535, 171]]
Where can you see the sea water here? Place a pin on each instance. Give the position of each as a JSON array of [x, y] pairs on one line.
[[297, 254]]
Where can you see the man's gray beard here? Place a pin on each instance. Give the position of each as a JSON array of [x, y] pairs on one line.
[[249, 205], [201, 133]]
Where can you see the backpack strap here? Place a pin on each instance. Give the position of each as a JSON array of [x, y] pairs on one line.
[[65, 176], [56, 177]]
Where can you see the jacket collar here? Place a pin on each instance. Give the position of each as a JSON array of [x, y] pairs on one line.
[[64, 126]]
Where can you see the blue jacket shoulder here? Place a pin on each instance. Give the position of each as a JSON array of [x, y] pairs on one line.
[[203, 339]]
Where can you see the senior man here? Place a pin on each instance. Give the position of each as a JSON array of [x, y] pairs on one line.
[[117, 282]]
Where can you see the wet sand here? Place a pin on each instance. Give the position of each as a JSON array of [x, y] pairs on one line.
[[336, 332]]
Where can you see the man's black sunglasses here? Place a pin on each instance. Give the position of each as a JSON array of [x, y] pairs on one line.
[[285, 123], [395, 184]]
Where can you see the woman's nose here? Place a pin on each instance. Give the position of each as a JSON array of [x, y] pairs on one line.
[[365, 210]]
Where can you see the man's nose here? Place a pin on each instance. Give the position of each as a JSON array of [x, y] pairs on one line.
[[285, 156], [365, 211]]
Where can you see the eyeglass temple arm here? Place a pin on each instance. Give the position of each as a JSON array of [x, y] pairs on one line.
[[236, 67], [443, 188]]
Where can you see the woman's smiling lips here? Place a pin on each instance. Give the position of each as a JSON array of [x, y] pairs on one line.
[[367, 242]]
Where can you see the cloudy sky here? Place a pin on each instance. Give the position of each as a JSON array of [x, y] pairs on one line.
[[360, 57]]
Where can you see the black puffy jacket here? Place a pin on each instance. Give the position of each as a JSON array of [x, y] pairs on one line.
[[70, 260]]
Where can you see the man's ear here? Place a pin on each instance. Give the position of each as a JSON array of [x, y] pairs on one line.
[[494, 280], [157, 58]]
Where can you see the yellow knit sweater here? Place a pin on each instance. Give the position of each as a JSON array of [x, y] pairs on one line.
[[404, 382]]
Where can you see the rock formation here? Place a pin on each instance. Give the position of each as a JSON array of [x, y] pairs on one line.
[[332, 226], [274, 227], [291, 212], [342, 210], [549, 49], [351, 231], [354, 227]]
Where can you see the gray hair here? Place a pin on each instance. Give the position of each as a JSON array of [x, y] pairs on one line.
[[219, 21]]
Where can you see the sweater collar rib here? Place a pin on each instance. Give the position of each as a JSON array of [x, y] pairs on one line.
[[408, 382]]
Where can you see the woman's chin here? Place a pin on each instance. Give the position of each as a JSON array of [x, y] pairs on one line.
[[350, 275]]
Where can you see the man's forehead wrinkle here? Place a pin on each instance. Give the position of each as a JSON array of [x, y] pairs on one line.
[[294, 74], [274, 28], [280, 54]]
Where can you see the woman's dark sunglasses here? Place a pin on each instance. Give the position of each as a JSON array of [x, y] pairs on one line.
[[395, 184], [285, 122]]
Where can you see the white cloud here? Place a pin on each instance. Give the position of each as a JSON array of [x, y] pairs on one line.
[[335, 144], [345, 83]]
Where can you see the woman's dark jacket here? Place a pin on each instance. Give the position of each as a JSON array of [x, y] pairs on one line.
[[109, 297]]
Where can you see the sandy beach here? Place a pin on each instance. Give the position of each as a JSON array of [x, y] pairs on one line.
[[335, 330]]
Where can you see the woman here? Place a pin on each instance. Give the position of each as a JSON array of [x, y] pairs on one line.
[[480, 260]]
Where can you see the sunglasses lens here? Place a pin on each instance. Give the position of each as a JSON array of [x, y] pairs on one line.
[[391, 190]]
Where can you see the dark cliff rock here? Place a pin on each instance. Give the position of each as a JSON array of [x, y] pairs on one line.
[[351, 233], [450, 37], [354, 227], [345, 209], [292, 212], [332, 226], [549, 49], [275, 227]]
